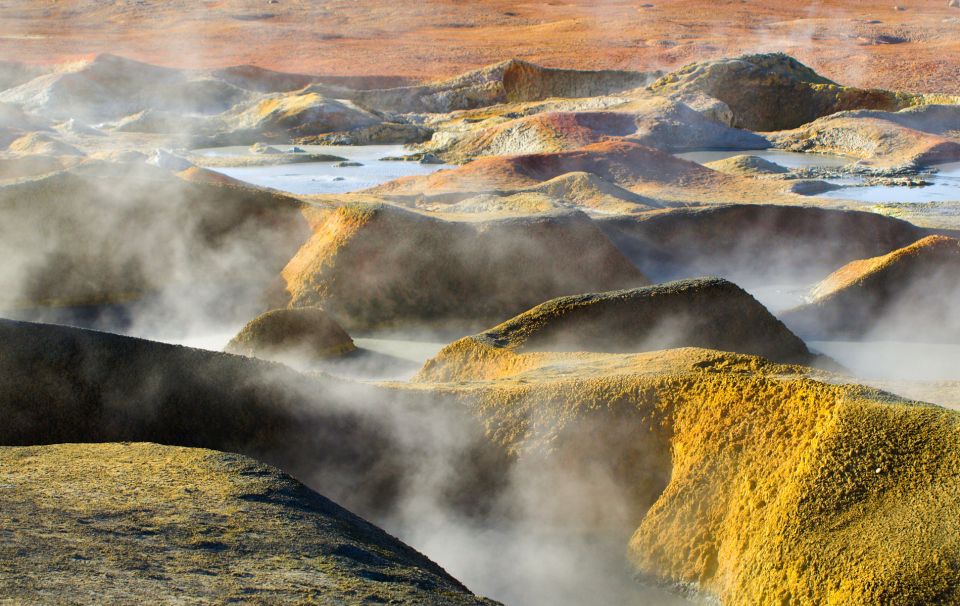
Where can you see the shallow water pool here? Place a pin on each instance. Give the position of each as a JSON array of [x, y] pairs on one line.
[[325, 177], [944, 183], [944, 187]]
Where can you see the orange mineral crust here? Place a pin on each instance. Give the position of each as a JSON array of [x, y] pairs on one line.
[[911, 45]]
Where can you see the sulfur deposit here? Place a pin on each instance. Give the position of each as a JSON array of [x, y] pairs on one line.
[[137, 521], [711, 313], [746, 480]]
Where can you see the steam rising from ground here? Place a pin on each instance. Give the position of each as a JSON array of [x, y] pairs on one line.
[[544, 532], [541, 533]]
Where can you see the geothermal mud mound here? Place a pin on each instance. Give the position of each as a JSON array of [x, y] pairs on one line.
[[540, 133], [934, 119], [621, 162], [208, 526], [749, 166], [110, 87], [570, 191], [655, 122], [283, 117], [773, 91], [60, 384], [299, 332], [707, 312], [782, 244], [510, 81], [877, 138], [523, 81], [39, 143], [372, 265], [739, 478], [908, 294], [588, 191], [157, 121], [105, 232]]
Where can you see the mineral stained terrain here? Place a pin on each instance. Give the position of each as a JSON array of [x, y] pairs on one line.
[[712, 313], [555, 317], [854, 41], [756, 494]]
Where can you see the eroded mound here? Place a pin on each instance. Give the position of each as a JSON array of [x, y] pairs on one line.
[[655, 122], [110, 87], [621, 162], [907, 294], [747, 165], [876, 138], [42, 144], [776, 244], [706, 312], [739, 478], [774, 91], [283, 117], [106, 232], [302, 332], [209, 526], [373, 265], [510, 81]]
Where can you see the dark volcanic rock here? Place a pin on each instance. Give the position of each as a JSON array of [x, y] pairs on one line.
[[60, 384]]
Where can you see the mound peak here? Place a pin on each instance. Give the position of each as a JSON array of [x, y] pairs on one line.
[[617, 161], [290, 333], [745, 164], [38, 143], [773, 91], [707, 312], [366, 264]]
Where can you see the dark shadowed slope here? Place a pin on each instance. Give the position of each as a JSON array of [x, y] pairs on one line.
[[114, 523]]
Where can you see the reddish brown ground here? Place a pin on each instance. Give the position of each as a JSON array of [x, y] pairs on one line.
[[428, 39]]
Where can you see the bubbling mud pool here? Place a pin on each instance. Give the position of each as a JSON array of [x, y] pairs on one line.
[[325, 177]]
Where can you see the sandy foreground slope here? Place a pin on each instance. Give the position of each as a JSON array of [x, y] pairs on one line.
[[907, 45]]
